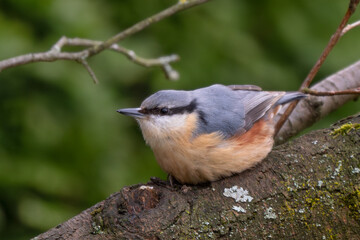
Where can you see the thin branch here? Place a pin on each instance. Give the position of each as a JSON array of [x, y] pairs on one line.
[[180, 6], [143, 61], [350, 26], [331, 93], [332, 42], [170, 73], [95, 47], [81, 42], [90, 71], [314, 108]]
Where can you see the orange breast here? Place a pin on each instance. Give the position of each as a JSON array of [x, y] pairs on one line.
[[209, 157], [260, 130]]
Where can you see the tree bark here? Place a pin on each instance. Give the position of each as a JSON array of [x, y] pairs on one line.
[[314, 108], [308, 188]]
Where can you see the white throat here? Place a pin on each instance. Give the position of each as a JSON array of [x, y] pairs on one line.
[[156, 128]]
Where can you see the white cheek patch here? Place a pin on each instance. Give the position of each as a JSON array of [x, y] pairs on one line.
[[173, 122], [162, 126]]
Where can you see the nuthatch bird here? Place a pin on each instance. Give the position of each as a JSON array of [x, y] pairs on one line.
[[212, 132]]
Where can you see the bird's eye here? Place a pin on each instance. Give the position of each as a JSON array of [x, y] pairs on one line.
[[164, 110]]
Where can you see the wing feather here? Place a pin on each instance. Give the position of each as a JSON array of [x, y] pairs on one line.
[[231, 110], [257, 105]]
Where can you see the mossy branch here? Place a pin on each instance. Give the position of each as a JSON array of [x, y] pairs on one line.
[[307, 188]]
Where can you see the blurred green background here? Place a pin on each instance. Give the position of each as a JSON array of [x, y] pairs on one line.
[[64, 148]]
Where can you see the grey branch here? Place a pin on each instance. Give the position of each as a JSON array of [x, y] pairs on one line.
[[301, 189], [64, 41], [309, 78], [90, 71], [313, 108], [350, 26], [95, 47], [332, 93], [55, 54]]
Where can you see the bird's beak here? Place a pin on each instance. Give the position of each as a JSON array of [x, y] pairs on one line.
[[132, 112]]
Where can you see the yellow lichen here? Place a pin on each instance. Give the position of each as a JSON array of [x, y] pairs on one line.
[[96, 211], [345, 129]]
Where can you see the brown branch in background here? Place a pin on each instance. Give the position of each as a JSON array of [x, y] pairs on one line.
[[332, 42], [181, 5], [331, 93], [95, 47], [314, 108]]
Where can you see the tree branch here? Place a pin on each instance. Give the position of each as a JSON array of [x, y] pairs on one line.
[[95, 47], [308, 188], [313, 108], [332, 42], [331, 93], [350, 26], [90, 71], [180, 6]]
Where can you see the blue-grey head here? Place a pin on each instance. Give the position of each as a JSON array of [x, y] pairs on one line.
[[164, 113], [217, 108]]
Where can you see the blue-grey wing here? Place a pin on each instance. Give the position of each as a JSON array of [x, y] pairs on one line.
[[217, 111], [258, 103], [232, 110]]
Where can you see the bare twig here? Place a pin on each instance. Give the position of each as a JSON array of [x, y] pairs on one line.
[[314, 108], [170, 73], [331, 93], [350, 26], [81, 42], [95, 47], [90, 71], [182, 5], [332, 42]]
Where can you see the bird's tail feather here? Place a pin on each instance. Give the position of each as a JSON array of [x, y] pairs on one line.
[[289, 97]]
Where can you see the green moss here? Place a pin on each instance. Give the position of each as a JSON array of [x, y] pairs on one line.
[[352, 201], [98, 223], [345, 129], [96, 211], [289, 209]]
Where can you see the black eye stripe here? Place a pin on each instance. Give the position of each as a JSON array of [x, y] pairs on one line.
[[170, 111], [164, 110]]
